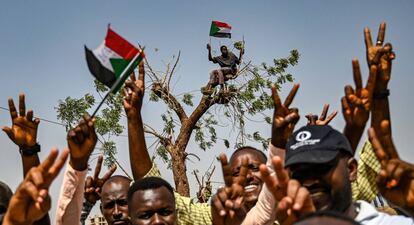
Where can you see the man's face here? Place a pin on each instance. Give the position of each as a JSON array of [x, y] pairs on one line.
[[253, 181], [114, 202], [224, 51], [329, 184], [153, 206]]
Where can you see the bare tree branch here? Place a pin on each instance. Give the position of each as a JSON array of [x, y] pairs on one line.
[[172, 71], [170, 100]]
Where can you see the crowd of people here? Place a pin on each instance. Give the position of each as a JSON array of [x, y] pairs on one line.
[[310, 175]]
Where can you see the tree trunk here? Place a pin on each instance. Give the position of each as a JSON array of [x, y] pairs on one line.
[[180, 171]]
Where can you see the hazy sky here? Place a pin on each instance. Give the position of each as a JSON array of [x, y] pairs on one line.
[[41, 54]]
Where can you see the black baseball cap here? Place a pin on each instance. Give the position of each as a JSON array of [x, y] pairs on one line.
[[316, 144]]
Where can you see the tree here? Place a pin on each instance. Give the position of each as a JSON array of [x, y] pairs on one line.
[[247, 98], [107, 125]]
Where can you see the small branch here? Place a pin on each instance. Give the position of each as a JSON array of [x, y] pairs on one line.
[[172, 71], [170, 100], [163, 140], [151, 70]]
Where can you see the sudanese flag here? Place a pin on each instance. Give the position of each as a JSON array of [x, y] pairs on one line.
[[111, 58]]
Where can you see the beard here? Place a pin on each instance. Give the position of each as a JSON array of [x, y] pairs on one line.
[[342, 199]]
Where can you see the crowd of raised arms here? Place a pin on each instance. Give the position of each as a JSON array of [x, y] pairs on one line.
[[309, 175]]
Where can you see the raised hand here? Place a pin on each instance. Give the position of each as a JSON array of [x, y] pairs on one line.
[[93, 185], [379, 55], [227, 204], [395, 180], [293, 199], [134, 92], [284, 118], [24, 127], [31, 201], [322, 120], [356, 103], [81, 142]]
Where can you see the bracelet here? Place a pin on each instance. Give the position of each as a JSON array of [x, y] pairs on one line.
[[29, 151], [381, 94]]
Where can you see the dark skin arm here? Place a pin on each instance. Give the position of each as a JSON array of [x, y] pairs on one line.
[[395, 180], [138, 153], [241, 55], [23, 131], [210, 57], [24, 134], [31, 201], [380, 105], [356, 104], [284, 118], [227, 204], [81, 142]]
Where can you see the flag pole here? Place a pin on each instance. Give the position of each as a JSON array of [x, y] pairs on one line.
[[118, 81]]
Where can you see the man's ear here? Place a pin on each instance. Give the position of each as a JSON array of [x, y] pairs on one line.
[[352, 168]]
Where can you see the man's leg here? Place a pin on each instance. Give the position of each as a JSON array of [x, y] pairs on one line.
[[221, 78]]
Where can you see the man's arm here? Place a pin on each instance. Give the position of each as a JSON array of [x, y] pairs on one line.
[[210, 57], [284, 121], [31, 202], [240, 55], [381, 56], [138, 154], [356, 104], [81, 142], [24, 133]]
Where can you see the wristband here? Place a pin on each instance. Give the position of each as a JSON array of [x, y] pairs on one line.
[[29, 151], [381, 94]]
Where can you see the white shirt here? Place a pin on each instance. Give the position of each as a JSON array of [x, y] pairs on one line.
[[368, 215]]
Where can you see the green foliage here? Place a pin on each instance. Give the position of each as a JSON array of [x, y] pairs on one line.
[[109, 149], [168, 122], [163, 154], [238, 45], [206, 125], [188, 99], [153, 97], [71, 110]]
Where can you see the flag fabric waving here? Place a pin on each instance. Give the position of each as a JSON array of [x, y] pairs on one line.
[[220, 29], [111, 58]]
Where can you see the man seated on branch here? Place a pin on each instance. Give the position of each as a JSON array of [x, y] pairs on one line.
[[228, 66]]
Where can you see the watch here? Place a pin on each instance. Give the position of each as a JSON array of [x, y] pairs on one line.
[[29, 151]]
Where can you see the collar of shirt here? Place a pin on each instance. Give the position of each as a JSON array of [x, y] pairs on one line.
[[365, 211]]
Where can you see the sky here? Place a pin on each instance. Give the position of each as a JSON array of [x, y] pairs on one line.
[[42, 55]]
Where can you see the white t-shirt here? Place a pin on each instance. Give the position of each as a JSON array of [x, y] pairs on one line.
[[368, 215]]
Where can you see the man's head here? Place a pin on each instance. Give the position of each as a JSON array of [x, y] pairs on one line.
[[320, 158], [326, 218], [151, 201], [114, 202], [5, 196], [224, 51], [253, 182]]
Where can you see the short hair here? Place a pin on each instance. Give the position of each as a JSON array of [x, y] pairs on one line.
[[118, 177], [148, 183], [330, 214], [249, 148], [223, 46], [6, 189]]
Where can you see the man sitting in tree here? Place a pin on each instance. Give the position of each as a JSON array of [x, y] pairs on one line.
[[228, 63]]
